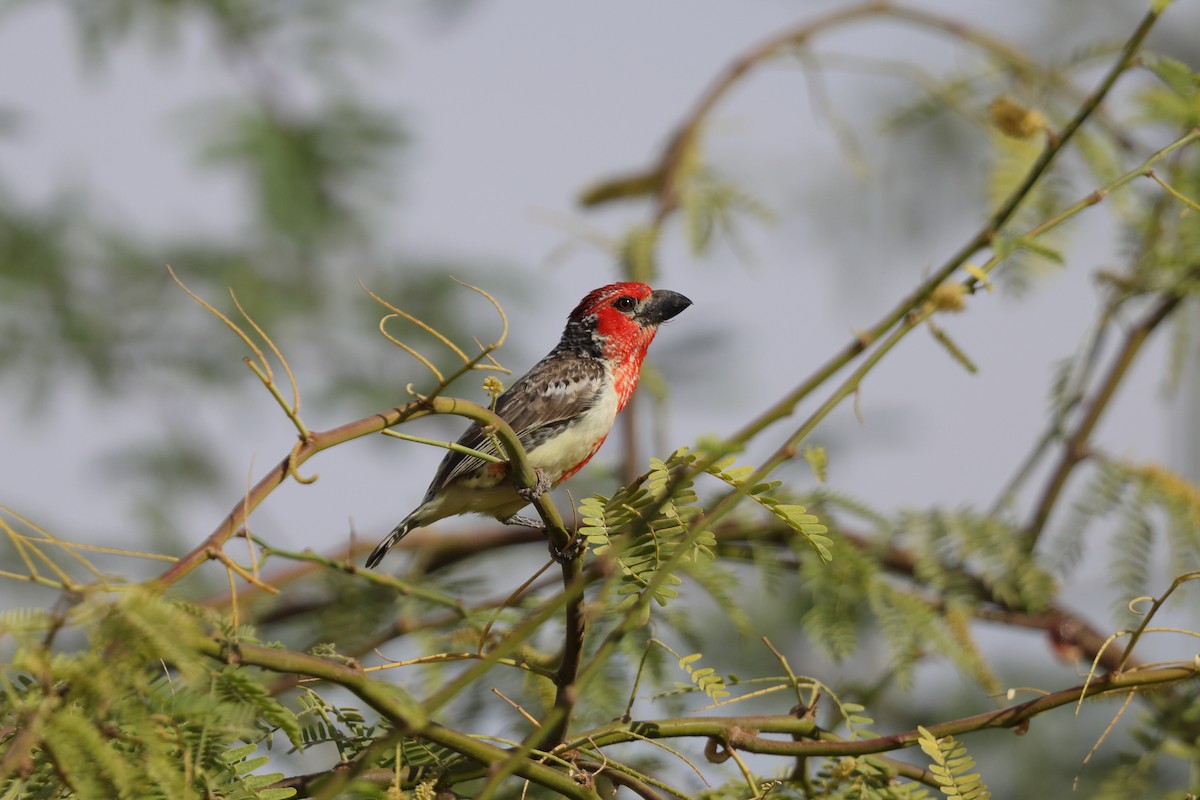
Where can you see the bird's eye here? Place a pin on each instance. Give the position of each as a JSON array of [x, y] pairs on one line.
[[625, 303]]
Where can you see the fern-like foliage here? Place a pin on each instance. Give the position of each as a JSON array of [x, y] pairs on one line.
[[662, 523], [863, 778], [1103, 493], [1133, 546], [838, 593], [856, 719], [1150, 504], [827, 501], [712, 206], [253, 786], [951, 765], [659, 536], [913, 628], [949, 546], [965, 558], [137, 713], [239, 687], [705, 679], [796, 517], [323, 722], [1177, 98]]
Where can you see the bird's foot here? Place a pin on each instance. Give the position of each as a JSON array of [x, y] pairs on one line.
[[563, 555], [573, 550], [538, 489], [524, 522]]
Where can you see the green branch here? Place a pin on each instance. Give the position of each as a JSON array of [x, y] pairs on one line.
[[979, 240], [395, 704]]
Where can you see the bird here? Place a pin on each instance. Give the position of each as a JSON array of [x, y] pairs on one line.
[[562, 410]]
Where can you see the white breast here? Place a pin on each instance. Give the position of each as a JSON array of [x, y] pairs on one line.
[[560, 454]]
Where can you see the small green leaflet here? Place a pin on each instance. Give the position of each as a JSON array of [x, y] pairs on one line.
[[795, 517]]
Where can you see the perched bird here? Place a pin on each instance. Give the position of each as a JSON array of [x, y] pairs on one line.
[[561, 410]]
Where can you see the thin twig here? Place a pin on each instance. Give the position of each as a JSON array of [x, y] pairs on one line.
[[1075, 447]]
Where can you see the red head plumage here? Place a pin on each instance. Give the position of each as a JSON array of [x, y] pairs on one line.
[[620, 320]]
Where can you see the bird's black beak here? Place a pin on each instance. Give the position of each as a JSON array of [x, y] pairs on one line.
[[661, 306]]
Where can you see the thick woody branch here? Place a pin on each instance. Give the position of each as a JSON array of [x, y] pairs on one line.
[[744, 733], [565, 692], [1064, 627]]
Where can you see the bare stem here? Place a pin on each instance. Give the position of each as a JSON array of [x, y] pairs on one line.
[[522, 472], [1075, 447]]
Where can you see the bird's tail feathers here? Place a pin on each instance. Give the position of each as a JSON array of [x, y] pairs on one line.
[[393, 538]]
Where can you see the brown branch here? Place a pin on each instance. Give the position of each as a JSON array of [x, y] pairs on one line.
[[522, 473], [619, 778], [1075, 447], [565, 693], [1011, 717], [743, 733], [1065, 628]]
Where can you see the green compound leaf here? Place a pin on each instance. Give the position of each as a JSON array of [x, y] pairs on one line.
[[660, 526], [795, 517], [951, 767]]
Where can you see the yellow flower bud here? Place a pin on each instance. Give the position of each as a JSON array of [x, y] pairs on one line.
[[492, 386], [1013, 119], [948, 297]]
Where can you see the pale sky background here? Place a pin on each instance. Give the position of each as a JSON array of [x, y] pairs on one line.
[[515, 107]]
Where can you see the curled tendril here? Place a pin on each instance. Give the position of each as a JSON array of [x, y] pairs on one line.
[[1134, 604], [406, 348], [484, 360], [292, 467]]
